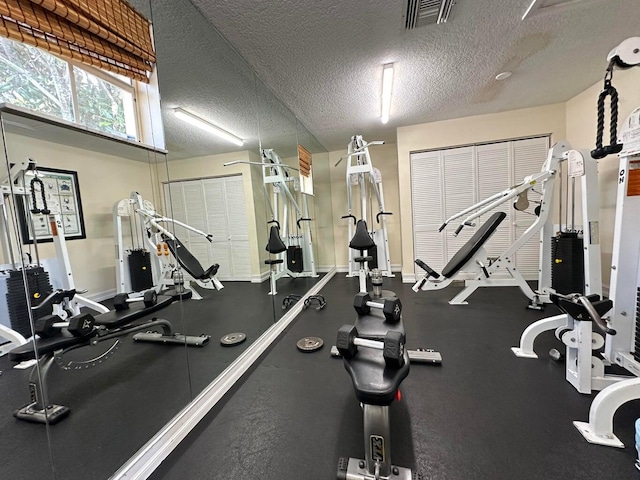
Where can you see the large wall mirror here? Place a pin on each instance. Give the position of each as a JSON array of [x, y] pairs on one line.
[[191, 197]]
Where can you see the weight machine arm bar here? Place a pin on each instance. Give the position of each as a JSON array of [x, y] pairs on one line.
[[591, 311], [54, 298], [154, 221], [513, 192]]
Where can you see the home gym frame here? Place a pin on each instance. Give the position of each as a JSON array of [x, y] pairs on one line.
[[153, 234], [275, 174], [480, 271], [361, 173]]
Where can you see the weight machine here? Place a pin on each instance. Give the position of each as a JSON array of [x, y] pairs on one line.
[[291, 247], [361, 173], [22, 180], [153, 245], [473, 266]]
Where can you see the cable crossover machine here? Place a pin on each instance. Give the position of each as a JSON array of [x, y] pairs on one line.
[[290, 243], [569, 259], [365, 255]]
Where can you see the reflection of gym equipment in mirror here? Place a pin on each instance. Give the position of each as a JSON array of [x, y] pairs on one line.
[[569, 260], [365, 255], [150, 261], [290, 243], [57, 336], [22, 180]]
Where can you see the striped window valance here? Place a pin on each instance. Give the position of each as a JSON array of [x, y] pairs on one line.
[[108, 34]]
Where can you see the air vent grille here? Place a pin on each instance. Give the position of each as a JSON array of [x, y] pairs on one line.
[[427, 12]]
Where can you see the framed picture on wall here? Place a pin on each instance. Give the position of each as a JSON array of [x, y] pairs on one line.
[[62, 195]]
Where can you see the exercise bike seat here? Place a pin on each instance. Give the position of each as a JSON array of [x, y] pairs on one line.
[[474, 244], [373, 381], [186, 259], [374, 326], [361, 239], [275, 243]]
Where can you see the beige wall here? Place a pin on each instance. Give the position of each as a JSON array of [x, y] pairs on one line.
[[104, 179], [462, 131], [213, 166], [384, 158], [581, 133]]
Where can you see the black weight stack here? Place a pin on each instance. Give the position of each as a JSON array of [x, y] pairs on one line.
[[140, 270], [295, 263], [567, 263], [39, 287], [636, 351]]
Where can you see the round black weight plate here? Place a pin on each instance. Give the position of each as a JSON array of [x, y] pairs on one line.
[[309, 344], [231, 339]]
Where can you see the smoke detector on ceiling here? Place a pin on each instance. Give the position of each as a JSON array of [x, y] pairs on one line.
[[427, 12], [545, 6]]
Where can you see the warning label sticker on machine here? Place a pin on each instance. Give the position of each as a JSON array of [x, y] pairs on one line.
[[633, 182]]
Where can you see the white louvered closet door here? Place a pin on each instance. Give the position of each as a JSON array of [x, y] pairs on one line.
[[216, 206], [238, 228], [446, 182], [494, 175], [428, 209], [528, 157]]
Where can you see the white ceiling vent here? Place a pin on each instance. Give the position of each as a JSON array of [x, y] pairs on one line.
[[545, 6], [427, 12]]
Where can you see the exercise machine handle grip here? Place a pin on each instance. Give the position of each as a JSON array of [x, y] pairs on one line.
[[442, 227], [302, 219], [54, 297], [276, 222], [382, 213], [430, 271], [597, 319], [458, 230], [350, 216], [209, 237]]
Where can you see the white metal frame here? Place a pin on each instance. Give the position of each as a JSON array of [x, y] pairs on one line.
[[360, 172], [480, 272], [163, 268]]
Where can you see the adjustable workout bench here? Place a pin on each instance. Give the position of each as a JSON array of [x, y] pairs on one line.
[[376, 385], [102, 327], [192, 266], [471, 264]]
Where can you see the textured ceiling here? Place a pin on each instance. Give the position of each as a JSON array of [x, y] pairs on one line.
[[324, 58]]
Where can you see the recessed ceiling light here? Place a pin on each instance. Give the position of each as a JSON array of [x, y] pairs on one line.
[[503, 75]]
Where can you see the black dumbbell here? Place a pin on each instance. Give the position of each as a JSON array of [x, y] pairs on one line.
[[121, 301], [391, 308], [392, 347], [80, 325]]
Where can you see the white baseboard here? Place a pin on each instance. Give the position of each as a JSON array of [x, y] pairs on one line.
[[263, 277], [345, 268], [409, 278], [100, 296]]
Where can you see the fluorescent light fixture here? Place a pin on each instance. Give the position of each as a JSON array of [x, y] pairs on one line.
[[209, 127], [387, 83]]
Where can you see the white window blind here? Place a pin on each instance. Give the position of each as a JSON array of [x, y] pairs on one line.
[[447, 181]]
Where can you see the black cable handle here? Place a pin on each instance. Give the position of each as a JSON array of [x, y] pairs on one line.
[[608, 90], [44, 210]]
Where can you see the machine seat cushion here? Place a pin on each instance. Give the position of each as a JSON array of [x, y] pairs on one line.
[[474, 244], [275, 243], [374, 326], [361, 239], [373, 381], [188, 261]]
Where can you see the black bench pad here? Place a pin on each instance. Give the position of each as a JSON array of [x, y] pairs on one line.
[[45, 345], [373, 381], [188, 261], [136, 310], [374, 326], [110, 320], [474, 244]]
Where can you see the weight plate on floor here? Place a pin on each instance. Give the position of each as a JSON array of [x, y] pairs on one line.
[[310, 344], [231, 339]]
